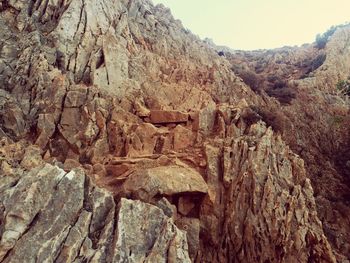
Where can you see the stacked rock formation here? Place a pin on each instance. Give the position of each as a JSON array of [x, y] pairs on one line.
[[125, 138]]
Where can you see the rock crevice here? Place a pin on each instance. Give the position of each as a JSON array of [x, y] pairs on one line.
[[124, 137]]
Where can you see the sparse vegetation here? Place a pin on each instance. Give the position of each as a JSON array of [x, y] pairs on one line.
[[322, 39], [279, 83], [250, 78], [273, 118], [279, 88], [318, 61], [337, 120], [343, 86], [309, 67], [284, 95]]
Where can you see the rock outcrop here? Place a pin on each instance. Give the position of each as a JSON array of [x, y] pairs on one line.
[[125, 138], [49, 215], [313, 118], [164, 181]]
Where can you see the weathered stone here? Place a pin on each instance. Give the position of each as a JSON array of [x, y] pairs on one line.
[[185, 205], [204, 120], [11, 115], [163, 116], [143, 141], [84, 80], [141, 110], [116, 170], [32, 158], [99, 169], [50, 215], [46, 128], [183, 138], [140, 224], [168, 209], [192, 228], [6, 168], [74, 240], [70, 164], [22, 207], [76, 98], [167, 180], [258, 178]]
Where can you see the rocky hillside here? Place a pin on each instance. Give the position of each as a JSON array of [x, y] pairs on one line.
[[125, 138], [312, 116]]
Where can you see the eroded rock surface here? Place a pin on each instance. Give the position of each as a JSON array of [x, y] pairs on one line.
[[48, 215], [113, 99], [165, 181]]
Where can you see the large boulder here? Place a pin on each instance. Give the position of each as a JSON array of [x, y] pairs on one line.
[[164, 181]]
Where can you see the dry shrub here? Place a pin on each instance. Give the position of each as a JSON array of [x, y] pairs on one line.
[[252, 79], [283, 95], [272, 117]]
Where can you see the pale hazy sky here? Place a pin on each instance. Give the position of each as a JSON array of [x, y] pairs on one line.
[[254, 24]]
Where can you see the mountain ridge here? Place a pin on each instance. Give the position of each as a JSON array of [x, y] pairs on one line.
[[120, 90]]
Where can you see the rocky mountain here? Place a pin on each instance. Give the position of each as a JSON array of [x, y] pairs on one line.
[[126, 138]]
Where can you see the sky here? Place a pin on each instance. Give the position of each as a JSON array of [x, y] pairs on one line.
[[259, 24]]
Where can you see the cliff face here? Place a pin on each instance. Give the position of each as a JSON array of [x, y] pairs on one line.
[[312, 117], [54, 216], [196, 164]]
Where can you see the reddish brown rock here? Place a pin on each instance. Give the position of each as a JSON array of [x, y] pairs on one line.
[[116, 170], [142, 141], [122, 88], [70, 164], [167, 116], [46, 128], [204, 120], [183, 138], [99, 169]]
